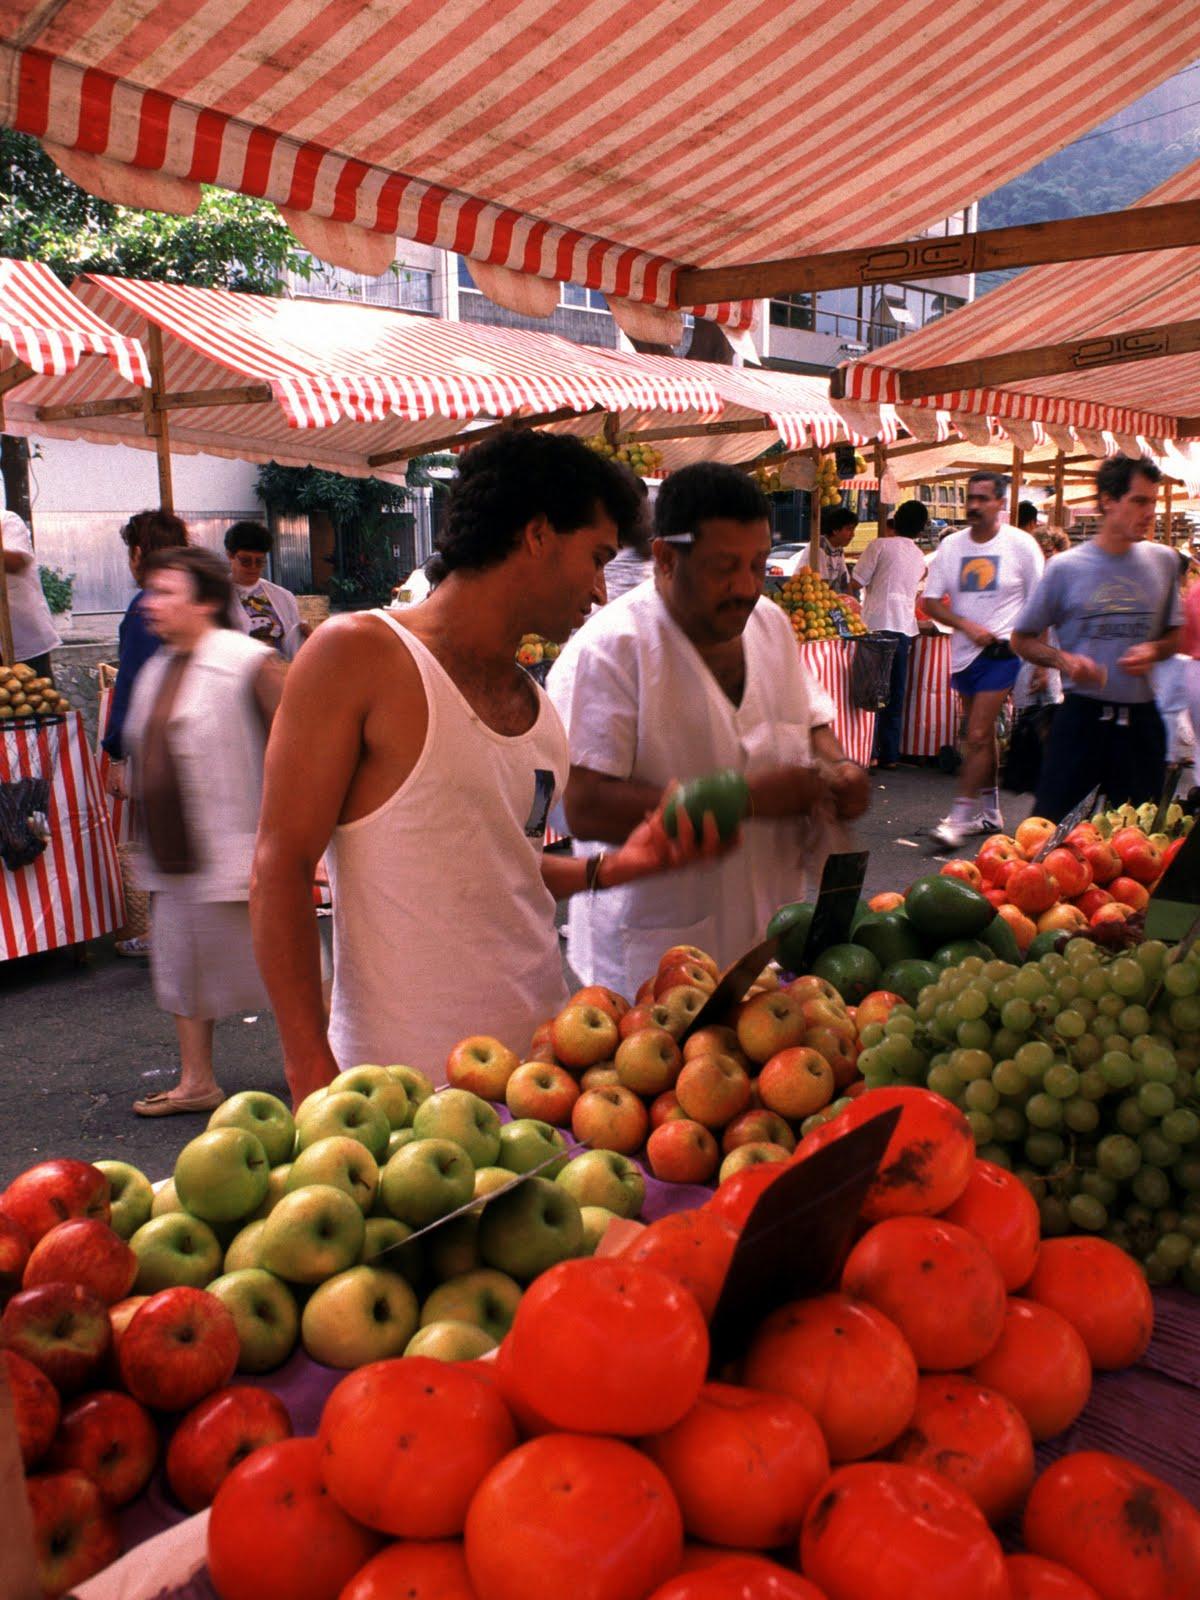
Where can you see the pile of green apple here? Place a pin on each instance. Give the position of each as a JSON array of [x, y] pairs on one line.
[[383, 1219]]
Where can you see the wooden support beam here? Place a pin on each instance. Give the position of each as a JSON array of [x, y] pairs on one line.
[[701, 430], [1043, 361], [1167, 532], [12, 376], [1187, 427], [154, 421], [1014, 487], [1113, 233], [178, 400], [474, 436]]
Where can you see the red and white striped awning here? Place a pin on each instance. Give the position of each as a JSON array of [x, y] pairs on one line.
[[44, 327], [604, 144], [1052, 305]]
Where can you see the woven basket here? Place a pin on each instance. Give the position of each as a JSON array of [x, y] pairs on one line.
[[137, 901], [314, 608]]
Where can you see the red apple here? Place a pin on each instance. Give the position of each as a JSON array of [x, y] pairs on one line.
[[689, 953], [1032, 889], [797, 1082], [218, 1434], [1114, 912], [682, 1004], [715, 1040], [612, 1118], [682, 974], [541, 1046], [666, 1108], [810, 987], [84, 1251], [889, 900], [53, 1192], [648, 1062], [481, 1065], [713, 1090], [759, 1126], [1024, 928], [682, 1152], [1062, 917], [181, 1345], [112, 1439], [15, 1246], [1083, 833], [649, 1014], [1130, 893], [1090, 901], [965, 871], [1033, 833], [839, 1049], [596, 994], [601, 1076], [62, 1328], [1069, 871], [876, 1007], [645, 993], [121, 1315], [584, 1035], [1142, 861], [35, 1405], [770, 1023], [1103, 860], [832, 1014], [74, 1534], [543, 1090]]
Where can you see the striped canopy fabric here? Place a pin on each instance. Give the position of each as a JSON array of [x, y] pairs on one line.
[[44, 327], [1050, 305], [602, 143]]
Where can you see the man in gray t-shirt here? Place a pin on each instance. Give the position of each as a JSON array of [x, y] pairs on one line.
[[1114, 606]]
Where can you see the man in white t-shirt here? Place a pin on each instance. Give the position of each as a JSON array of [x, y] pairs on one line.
[[266, 611], [977, 584], [692, 672], [34, 635], [891, 572]]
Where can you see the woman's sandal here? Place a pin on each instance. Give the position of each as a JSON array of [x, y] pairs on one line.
[[162, 1103]]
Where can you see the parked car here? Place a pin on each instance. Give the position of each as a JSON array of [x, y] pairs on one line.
[[785, 558]]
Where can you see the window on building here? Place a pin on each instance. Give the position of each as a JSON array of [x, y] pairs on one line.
[[793, 311], [581, 299], [403, 288]]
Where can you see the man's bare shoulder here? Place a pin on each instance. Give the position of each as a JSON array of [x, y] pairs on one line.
[[359, 654]]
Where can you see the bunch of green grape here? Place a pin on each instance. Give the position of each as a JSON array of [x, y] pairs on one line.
[[1080, 1073]]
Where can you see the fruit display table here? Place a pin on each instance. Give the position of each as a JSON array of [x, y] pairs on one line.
[[930, 704], [829, 662], [72, 891]]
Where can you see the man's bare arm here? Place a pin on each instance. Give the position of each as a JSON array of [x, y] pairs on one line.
[[608, 809], [940, 611]]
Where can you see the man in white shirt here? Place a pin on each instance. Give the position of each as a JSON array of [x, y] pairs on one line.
[[977, 584], [266, 611], [890, 572], [838, 524], [33, 630], [691, 672]]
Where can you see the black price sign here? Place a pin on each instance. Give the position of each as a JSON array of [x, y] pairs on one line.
[[841, 886], [1173, 905]]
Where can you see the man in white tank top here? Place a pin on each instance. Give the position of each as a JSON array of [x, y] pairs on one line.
[[413, 750]]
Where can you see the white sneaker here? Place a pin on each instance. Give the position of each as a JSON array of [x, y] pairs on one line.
[[985, 823], [950, 833]]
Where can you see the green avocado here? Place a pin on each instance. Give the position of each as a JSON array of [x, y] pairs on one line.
[[889, 936], [791, 923], [942, 909], [1002, 941], [850, 968], [723, 793], [950, 955], [1047, 944], [908, 978]]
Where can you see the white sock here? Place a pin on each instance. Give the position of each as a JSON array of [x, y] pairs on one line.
[[964, 809], [989, 802]]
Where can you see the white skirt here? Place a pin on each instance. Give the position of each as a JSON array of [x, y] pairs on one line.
[[202, 957]]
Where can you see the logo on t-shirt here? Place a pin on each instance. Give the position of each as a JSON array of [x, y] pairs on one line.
[[978, 574], [543, 798]]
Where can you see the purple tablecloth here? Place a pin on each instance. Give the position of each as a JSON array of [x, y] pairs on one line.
[[1150, 1413]]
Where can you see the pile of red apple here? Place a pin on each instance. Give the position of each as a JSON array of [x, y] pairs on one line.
[[1087, 882], [730, 1096], [98, 1378]]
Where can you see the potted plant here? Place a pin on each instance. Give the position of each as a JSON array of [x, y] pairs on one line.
[[58, 587]]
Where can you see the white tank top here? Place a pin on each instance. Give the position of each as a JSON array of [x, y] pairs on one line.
[[442, 926]]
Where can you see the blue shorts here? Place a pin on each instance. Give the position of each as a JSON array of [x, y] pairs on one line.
[[986, 673]]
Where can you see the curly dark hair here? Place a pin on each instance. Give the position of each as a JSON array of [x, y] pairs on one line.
[[507, 481], [148, 531], [248, 535], [1115, 477], [707, 489]]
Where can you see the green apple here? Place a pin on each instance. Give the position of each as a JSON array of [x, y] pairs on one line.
[[244, 1248], [462, 1116], [397, 1137], [377, 1085], [130, 1194], [341, 1162], [604, 1178], [595, 1221], [311, 1234], [309, 1104], [262, 1114], [450, 1341], [487, 1298], [361, 1315], [165, 1199], [427, 1179], [222, 1175], [489, 1179], [172, 1250], [526, 1143], [265, 1312], [453, 1248], [417, 1087], [344, 1115], [532, 1227], [385, 1244], [276, 1189]]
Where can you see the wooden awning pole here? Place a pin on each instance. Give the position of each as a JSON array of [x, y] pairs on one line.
[[7, 648], [155, 421], [1014, 493], [814, 505], [880, 469], [1059, 485], [1168, 531]]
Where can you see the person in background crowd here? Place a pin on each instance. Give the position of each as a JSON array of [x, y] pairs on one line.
[[1053, 541], [1027, 517], [431, 782], [978, 582], [1189, 646], [1114, 605], [890, 573], [197, 732], [687, 675], [634, 561], [837, 530], [415, 588], [33, 630], [267, 611]]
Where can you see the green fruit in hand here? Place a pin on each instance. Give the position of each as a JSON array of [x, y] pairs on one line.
[[942, 908], [723, 793], [850, 968]]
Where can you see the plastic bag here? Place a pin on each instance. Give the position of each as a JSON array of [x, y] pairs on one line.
[[871, 672]]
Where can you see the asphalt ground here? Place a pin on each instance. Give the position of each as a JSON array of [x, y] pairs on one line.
[[81, 1039]]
